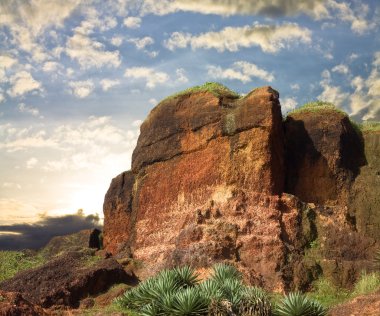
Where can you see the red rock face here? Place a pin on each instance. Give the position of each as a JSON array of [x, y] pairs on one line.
[[208, 180]]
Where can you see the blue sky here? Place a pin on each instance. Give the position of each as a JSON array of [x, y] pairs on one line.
[[78, 77]]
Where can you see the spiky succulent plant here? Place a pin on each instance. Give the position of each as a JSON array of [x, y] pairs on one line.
[[297, 304]]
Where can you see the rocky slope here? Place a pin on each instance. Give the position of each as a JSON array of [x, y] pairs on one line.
[[216, 177]]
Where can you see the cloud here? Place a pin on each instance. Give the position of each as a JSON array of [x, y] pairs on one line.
[[151, 76], [108, 84], [81, 89], [270, 38], [273, 8], [37, 235], [240, 70], [2, 98], [331, 93], [288, 104], [50, 66], [342, 69], [90, 53], [141, 43], [31, 163], [22, 108], [23, 82], [181, 75], [316, 9], [116, 41], [7, 62], [295, 86], [132, 22], [28, 20]]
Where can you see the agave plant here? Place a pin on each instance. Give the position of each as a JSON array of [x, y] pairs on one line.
[[297, 304], [187, 302], [232, 290], [254, 302], [222, 272], [220, 308], [150, 310], [186, 276], [211, 290]]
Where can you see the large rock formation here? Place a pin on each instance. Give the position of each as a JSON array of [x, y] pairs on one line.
[[217, 177]]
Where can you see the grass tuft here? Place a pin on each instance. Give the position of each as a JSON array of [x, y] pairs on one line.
[[368, 283], [316, 106], [215, 88], [369, 126]]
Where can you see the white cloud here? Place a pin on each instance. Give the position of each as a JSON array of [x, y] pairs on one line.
[[81, 89], [137, 123], [273, 8], [270, 38], [28, 20], [116, 40], [50, 66], [141, 43], [181, 75], [342, 69], [7, 61], [132, 22], [295, 86], [353, 56], [288, 104], [28, 109], [23, 82], [330, 93], [108, 83], [316, 9], [153, 101], [152, 54], [240, 70], [151, 76], [90, 53], [2, 98], [31, 163]]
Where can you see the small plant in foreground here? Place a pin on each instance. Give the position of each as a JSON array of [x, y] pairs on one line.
[[297, 304], [178, 292]]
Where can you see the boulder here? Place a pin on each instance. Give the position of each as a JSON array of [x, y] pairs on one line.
[[65, 280], [217, 177]]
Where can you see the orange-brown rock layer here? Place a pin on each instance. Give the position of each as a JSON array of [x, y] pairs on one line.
[[207, 184]]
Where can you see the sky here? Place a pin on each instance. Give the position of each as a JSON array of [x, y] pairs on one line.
[[77, 78]]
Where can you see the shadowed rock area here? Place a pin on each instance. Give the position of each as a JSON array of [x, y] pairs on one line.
[[217, 178]]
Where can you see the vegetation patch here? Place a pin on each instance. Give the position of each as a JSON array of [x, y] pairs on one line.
[[315, 107], [327, 293], [368, 283], [12, 262], [179, 292], [215, 88], [369, 126]]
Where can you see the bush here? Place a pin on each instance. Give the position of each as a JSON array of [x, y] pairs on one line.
[[297, 304], [178, 292]]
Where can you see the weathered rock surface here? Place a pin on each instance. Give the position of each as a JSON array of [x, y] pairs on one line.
[[13, 304], [219, 178], [67, 279]]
